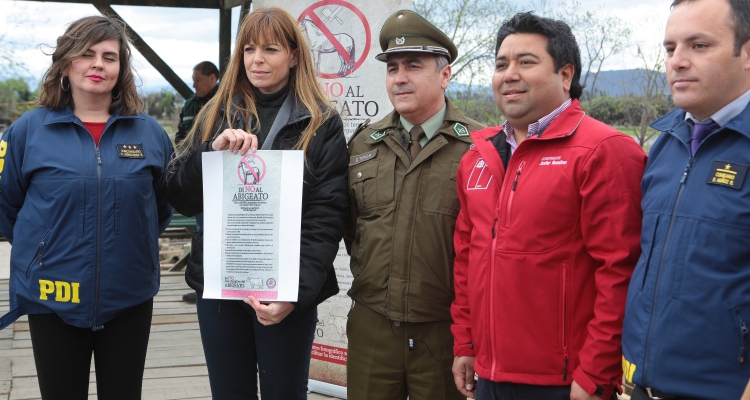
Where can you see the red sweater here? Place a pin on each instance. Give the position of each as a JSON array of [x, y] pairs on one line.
[[544, 254]]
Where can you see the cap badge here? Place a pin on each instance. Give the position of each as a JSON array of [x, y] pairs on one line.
[[400, 41]]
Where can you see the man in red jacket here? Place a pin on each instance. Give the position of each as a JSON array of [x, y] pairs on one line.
[[544, 252]]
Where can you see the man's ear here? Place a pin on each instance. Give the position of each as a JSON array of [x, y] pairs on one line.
[[566, 73], [445, 76], [745, 54]]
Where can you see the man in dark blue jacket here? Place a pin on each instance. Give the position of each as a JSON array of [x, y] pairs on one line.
[[688, 309]]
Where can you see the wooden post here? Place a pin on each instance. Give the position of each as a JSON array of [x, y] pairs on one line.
[[225, 39], [181, 87]]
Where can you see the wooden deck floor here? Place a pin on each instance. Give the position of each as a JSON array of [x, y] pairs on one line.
[[175, 366]]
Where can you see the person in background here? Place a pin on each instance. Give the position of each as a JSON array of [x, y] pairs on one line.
[[205, 83], [403, 199], [205, 78], [685, 333], [271, 66], [83, 202], [547, 236]]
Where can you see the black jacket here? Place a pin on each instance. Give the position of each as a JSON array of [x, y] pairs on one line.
[[325, 201]]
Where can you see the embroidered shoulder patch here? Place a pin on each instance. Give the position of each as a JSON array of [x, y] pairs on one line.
[[460, 130], [377, 135], [727, 174], [130, 150]]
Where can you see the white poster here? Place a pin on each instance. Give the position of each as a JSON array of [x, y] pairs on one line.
[[252, 219], [344, 40]]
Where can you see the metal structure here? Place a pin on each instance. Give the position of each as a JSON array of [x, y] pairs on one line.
[[225, 31]]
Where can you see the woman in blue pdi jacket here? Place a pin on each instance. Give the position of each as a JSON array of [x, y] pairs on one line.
[[83, 201]]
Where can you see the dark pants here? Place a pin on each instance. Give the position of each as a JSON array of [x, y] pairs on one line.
[[237, 346], [489, 390], [381, 364], [639, 393], [62, 354]]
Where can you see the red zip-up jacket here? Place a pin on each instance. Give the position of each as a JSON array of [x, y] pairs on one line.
[[544, 254]]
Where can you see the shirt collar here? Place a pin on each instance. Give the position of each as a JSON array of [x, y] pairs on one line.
[[536, 127], [430, 126], [723, 116]]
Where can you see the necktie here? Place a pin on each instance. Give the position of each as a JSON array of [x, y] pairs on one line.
[[415, 134], [700, 131]]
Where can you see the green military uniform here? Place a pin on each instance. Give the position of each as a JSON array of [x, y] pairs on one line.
[[400, 239], [190, 110], [400, 236]]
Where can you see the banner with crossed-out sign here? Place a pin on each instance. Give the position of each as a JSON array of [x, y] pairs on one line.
[[343, 38]]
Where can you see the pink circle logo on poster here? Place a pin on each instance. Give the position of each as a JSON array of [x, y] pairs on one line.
[[271, 283], [251, 170]]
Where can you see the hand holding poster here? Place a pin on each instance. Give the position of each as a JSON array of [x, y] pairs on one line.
[[252, 207]]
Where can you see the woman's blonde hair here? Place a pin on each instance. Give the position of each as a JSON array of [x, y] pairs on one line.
[[264, 25], [77, 39]]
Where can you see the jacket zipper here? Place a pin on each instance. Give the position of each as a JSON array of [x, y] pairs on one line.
[[744, 332], [564, 320], [94, 326], [661, 263], [491, 308], [509, 207], [38, 253]]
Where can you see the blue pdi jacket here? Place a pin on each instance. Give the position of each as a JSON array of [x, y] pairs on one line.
[[688, 308], [83, 221]]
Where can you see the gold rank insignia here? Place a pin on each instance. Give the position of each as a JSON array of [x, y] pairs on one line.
[[727, 174], [130, 150], [460, 130]]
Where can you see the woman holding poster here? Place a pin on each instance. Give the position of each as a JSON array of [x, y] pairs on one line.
[[271, 66]]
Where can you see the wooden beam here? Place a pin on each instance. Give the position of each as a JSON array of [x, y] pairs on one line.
[[177, 83], [212, 4], [225, 39], [228, 4], [243, 13]]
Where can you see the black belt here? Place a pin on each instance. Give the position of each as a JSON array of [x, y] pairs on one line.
[[654, 394]]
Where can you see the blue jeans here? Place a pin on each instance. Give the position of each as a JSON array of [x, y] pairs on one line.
[[237, 346]]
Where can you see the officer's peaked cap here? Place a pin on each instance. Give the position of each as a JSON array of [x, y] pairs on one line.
[[407, 32]]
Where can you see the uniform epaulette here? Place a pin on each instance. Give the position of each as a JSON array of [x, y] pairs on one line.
[[359, 129]]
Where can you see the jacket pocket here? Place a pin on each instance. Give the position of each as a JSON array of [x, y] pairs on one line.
[[441, 195], [742, 314], [650, 227], [368, 184], [147, 238], [39, 255]]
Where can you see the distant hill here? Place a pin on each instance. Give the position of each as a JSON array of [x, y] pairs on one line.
[[620, 82], [612, 83]]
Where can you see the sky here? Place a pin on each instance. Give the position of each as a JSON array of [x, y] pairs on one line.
[[185, 37]]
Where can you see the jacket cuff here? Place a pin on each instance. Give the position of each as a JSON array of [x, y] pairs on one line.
[[590, 386], [460, 350]]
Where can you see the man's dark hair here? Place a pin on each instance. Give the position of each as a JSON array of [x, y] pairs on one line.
[[561, 44], [739, 11], [207, 68]]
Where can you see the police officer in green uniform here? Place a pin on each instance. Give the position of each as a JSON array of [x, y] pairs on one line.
[[205, 83], [402, 179]]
